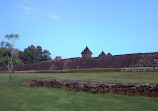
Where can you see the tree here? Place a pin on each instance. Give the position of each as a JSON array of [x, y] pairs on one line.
[[34, 54], [10, 52], [46, 55], [3, 56]]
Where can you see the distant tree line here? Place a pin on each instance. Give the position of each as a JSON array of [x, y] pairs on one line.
[[31, 54], [9, 56]]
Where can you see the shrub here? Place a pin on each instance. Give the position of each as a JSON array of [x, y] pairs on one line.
[[51, 71], [94, 70]]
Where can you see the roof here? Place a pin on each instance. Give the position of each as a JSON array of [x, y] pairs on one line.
[[109, 54], [102, 54], [86, 51]]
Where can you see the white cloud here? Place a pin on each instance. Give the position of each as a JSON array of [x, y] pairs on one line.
[[53, 15], [28, 8]]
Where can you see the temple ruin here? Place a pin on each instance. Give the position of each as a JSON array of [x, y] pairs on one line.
[[87, 61]]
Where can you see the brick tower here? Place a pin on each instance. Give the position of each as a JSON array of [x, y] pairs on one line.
[[86, 53]]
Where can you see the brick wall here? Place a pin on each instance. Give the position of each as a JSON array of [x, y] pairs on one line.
[[116, 61]]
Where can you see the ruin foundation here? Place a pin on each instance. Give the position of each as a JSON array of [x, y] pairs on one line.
[[132, 89]]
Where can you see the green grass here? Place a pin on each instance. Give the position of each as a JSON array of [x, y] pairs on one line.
[[90, 70], [112, 77], [22, 98]]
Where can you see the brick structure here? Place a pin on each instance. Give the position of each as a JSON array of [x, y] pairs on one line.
[[87, 61], [102, 54], [86, 53], [109, 54], [58, 58]]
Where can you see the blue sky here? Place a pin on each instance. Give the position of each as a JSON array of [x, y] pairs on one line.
[[65, 27]]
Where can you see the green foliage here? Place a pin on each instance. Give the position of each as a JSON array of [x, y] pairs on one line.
[[52, 71], [3, 56], [31, 54], [12, 36], [10, 56], [42, 71], [92, 70], [6, 72], [4, 52], [140, 69], [17, 62], [22, 98], [7, 51], [34, 54]]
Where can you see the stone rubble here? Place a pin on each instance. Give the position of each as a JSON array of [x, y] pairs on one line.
[[132, 89]]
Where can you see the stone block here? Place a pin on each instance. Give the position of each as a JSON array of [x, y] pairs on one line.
[[133, 88], [122, 89], [140, 89], [106, 90], [151, 94], [94, 90], [148, 90], [121, 93], [46, 84], [125, 85]]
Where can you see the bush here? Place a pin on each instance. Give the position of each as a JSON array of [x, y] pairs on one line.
[[42, 71], [139, 69], [17, 62], [94, 70], [51, 71], [6, 72]]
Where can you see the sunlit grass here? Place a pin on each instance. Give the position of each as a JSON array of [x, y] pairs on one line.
[[22, 98], [113, 77]]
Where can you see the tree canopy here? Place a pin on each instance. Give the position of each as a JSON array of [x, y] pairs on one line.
[[31, 54], [34, 54]]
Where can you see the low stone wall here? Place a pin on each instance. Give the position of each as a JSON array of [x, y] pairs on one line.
[[137, 89]]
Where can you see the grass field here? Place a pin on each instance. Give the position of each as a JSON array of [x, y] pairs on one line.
[[22, 98]]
